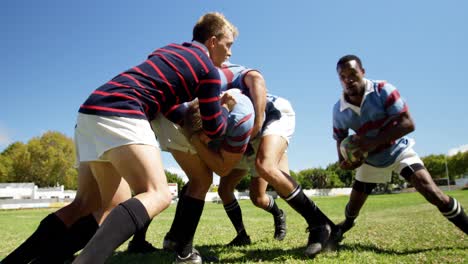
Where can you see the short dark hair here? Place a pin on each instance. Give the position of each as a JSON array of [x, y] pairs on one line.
[[347, 58]]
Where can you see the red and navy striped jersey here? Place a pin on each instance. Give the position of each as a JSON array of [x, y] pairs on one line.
[[171, 75]]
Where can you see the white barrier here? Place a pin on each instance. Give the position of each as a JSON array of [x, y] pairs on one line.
[[213, 196]]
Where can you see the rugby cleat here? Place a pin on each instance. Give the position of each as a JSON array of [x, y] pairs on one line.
[[193, 258], [142, 247], [345, 226], [242, 239], [318, 238], [280, 226]]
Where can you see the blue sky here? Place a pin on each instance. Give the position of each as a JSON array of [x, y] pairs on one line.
[[54, 53]]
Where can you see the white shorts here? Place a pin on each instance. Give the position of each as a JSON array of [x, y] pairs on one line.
[[286, 125], [371, 174], [94, 135], [170, 135], [283, 127]]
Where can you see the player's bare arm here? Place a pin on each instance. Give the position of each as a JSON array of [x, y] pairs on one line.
[[257, 88], [402, 125], [221, 162]]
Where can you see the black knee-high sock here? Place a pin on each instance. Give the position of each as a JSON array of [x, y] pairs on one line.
[[307, 208], [234, 213], [273, 207], [190, 215], [140, 235], [456, 215], [122, 222], [178, 221], [76, 237], [48, 230]]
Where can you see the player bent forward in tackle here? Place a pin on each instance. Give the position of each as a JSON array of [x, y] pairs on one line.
[[253, 84], [182, 143], [279, 122], [115, 143], [380, 118]]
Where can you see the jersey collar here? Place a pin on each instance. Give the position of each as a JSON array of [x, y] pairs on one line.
[[201, 45], [357, 109]]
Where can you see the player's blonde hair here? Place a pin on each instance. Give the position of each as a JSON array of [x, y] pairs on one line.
[[212, 24]]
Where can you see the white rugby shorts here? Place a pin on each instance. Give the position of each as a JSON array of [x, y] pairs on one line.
[[283, 127], [170, 135], [371, 174], [94, 135]]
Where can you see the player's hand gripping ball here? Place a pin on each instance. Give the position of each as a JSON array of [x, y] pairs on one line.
[[192, 120], [350, 152]]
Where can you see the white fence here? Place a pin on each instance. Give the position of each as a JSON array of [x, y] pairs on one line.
[[30, 191]]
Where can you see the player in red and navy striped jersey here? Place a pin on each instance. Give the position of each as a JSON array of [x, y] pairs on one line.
[[114, 140], [380, 118]]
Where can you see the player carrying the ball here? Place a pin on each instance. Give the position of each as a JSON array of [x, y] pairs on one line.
[[379, 116]]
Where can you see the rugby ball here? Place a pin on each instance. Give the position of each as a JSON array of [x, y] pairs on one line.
[[350, 151]]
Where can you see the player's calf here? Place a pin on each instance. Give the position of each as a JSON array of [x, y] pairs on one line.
[[456, 214]]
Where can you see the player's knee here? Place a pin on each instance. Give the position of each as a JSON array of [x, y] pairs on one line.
[[265, 168], [165, 197], [413, 172], [82, 207], [363, 187]]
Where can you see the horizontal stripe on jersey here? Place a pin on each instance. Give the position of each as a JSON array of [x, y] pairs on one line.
[[380, 107], [170, 76]]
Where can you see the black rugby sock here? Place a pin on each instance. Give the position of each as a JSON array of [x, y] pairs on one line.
[[190, 215], [234, 213], [50, 228], [122, 222], [76, 237], [178, 221], [140, 235], [307, 208], [273, 207], [456, 215]]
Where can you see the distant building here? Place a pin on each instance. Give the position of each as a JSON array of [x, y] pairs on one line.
[[173, 189], [462, 182], [31, 191]]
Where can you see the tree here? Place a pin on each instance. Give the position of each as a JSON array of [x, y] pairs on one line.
[[435, 164], [46, 160], [346, 176], [458, 165], [244, 183], [52, 156], [174, 178]]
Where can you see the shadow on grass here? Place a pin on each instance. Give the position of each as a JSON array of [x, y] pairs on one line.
[[248, 254], [259, 255], [378, 250], [161, 256]]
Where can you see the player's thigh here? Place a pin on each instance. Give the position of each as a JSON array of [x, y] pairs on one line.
[[88, 189], [200, 176], [141, 166], [87, 199], [271, 150], [284, 163], [112, 187], [257, 187]]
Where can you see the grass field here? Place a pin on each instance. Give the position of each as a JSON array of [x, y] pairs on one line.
[[398, 228]]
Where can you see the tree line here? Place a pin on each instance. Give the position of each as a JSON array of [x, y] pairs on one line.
[[49, 160]]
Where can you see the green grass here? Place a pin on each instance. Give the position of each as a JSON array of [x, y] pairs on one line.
[[398, 228]]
